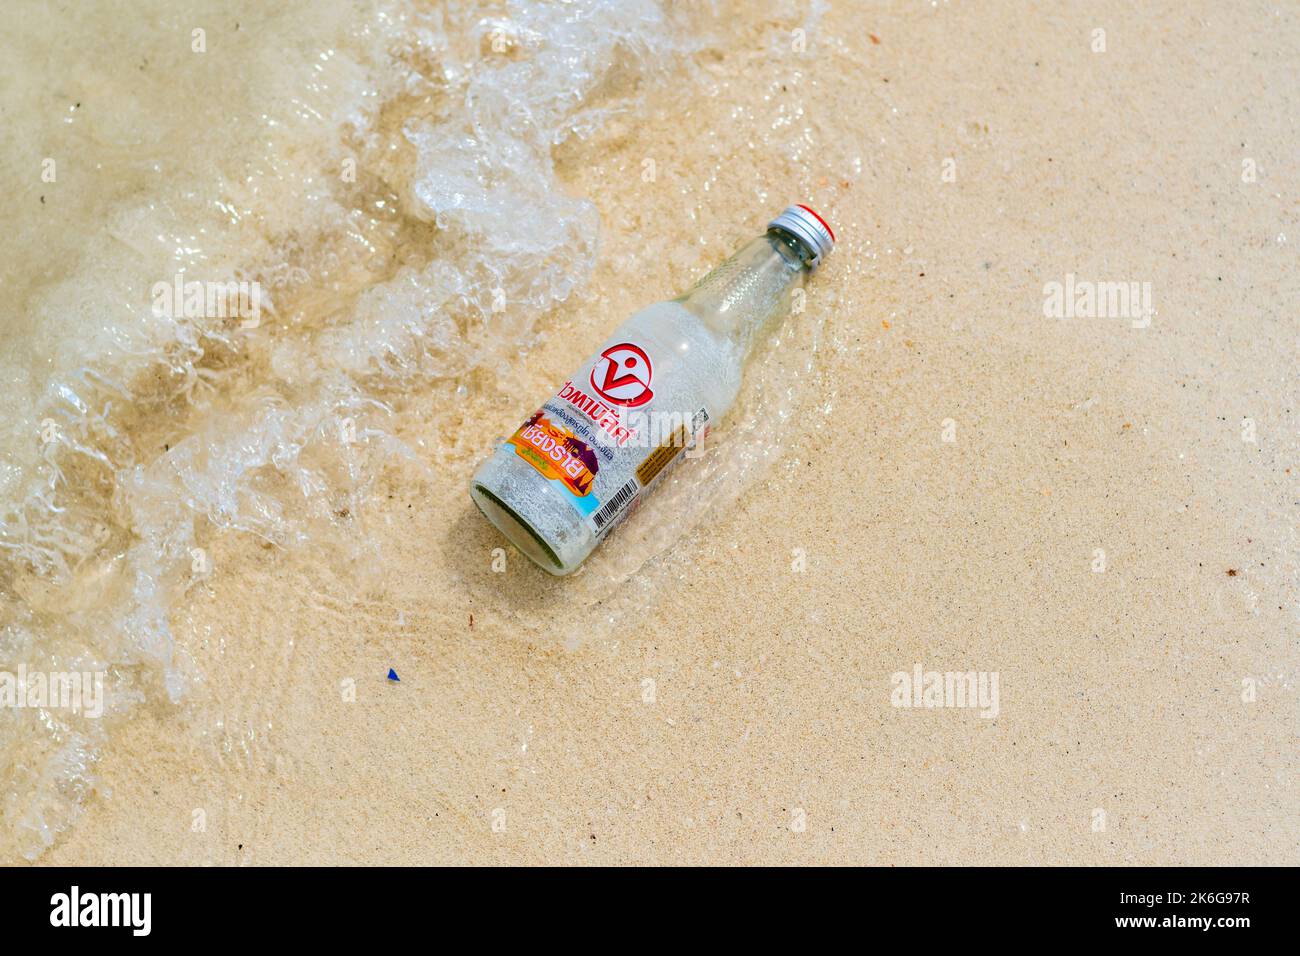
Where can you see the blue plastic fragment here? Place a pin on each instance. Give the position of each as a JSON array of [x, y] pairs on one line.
[[392, 675]]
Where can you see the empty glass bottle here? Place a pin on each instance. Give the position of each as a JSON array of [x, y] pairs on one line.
[[579, 464]]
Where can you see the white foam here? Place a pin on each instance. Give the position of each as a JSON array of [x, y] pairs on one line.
[[133, 440]]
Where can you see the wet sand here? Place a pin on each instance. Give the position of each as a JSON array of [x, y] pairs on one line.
[[743, 713]]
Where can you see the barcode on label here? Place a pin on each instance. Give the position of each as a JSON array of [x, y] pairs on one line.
[[612, 508]]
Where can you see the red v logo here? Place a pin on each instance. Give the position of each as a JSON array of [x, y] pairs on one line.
[[611, 382], [630, 388]]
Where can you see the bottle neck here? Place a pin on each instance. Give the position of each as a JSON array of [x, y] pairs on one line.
[[738, 298]]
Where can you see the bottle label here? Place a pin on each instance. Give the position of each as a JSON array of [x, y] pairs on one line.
[[598, 441]]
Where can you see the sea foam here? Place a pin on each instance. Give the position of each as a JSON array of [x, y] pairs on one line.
[[385, 172], [271, 146]]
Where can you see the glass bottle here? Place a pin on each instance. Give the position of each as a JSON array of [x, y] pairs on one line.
[[580, 463]]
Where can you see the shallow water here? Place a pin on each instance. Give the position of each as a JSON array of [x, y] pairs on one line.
[[247, 527], [386, 173]]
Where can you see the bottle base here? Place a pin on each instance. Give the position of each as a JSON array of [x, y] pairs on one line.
[[528, 509], [521, 534]]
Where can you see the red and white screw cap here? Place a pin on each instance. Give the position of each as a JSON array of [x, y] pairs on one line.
[[801, 221]]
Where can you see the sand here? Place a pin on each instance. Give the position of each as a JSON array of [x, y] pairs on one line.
[[1103, 515]]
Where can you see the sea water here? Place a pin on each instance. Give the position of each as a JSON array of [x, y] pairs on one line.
[[385, 172]]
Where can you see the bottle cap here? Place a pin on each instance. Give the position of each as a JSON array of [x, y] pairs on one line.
[[811, 228]]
